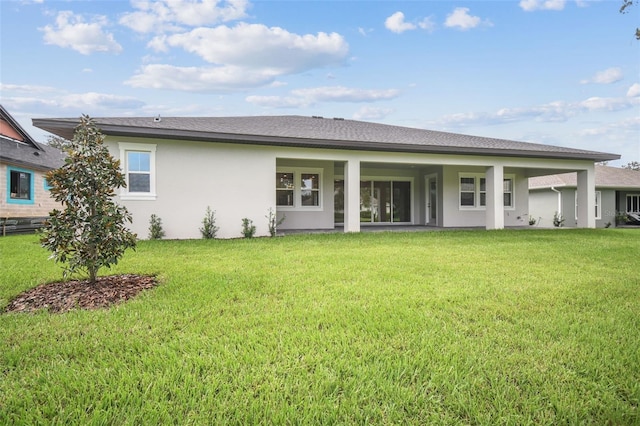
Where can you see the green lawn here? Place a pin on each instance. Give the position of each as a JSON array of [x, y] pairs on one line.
[[502, 327]]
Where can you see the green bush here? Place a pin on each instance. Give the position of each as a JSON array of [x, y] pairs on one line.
[[155, 228], [209, 228], [248, 228]]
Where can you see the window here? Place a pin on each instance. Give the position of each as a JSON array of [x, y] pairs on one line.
[[299, 189], [310, 189], [20, 184], [598, 211], [473, 191], [284, 189], [467, 192], [633, 203], [138, 163]]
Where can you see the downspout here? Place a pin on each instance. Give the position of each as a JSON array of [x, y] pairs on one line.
[[559, 200]]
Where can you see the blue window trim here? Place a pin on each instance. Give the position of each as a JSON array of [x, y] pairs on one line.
[[32, 192]]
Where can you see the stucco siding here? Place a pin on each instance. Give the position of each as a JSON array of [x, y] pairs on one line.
[[456, 216], [236, 181], [314, 218], [543, 203]]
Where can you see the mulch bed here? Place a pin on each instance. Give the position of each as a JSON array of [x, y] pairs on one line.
[[67, 295]]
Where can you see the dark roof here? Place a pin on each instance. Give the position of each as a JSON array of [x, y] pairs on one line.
[[316, 132], [40, 156], [605, 177]]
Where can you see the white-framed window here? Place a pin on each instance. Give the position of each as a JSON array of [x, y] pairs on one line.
[[473, 191], [598, 205], [633, 203], [299, 188], [138, 162]]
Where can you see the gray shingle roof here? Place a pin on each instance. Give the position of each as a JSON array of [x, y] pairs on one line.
[[316, 132], [40, 156], [605, 177]]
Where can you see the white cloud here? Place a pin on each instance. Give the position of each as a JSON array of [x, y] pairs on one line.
[[71, 31], [278, 101], [345, 94], [311, 96], [608, 76], [395, 23], [532, 5], [462, 20], [427, 24], [244, 56], [171, 15], [364, 32], [26, 89], [258, 46], [558, 111], [201, 79], [93, 101], [372, 113], [634, 90]]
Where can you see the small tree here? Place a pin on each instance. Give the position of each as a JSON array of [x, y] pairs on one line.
[[209, 228], [57, 142], [273, 222], [90, 231], [155, 228], [633, 165]]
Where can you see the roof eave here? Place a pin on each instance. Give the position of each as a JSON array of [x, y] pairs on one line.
[[66, 128]]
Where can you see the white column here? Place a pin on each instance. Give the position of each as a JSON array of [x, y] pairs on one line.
[[586, 198], [495, 197], [352, 196]]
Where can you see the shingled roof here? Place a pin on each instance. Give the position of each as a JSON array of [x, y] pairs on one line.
[[21, 149], [605, 177], [316, 132]]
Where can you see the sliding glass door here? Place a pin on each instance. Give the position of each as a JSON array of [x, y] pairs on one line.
[[384, 201]]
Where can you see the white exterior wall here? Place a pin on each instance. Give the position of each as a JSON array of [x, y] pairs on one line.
[[309, 218], [455, 216], [236, 181], [543, 203]]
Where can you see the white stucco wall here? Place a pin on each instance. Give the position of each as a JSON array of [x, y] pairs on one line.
[[456, 216], [309, 218], [236, 181]]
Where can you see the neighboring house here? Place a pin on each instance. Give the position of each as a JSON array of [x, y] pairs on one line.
[[320, 173], [24, 193], [617, 190]]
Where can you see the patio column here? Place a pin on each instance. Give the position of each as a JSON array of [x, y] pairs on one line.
[[352, 196], [586, 198], [495, 197]]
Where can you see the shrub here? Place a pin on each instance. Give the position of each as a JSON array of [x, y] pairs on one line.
[[558, 220], [248, 228], [273, 222], [155, 228], [532, 220], [209, 228], [90, 231]]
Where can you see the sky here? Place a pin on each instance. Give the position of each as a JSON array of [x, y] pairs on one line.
[[558, 72]]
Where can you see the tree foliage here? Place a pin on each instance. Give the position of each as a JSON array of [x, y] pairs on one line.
[[90, 231], [57, 142], [626, 4], [634, 165]]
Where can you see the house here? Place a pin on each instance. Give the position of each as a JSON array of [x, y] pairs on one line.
[[319, 173], [24, 197], [617, 190]]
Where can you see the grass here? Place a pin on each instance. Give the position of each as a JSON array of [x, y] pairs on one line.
[[503, 327]]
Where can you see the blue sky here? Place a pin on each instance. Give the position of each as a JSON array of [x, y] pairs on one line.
[[559, 72]]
